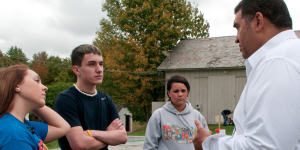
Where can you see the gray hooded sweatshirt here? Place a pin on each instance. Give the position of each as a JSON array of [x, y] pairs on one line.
[[169, 129]]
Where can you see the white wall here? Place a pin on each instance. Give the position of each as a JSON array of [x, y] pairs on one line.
[[156, 105]]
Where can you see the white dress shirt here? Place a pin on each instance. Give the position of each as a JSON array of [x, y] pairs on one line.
[[267, 116]]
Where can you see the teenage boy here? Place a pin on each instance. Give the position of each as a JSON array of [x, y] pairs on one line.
[[91, 113]]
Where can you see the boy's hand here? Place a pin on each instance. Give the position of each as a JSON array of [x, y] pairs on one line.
[[115, 125]]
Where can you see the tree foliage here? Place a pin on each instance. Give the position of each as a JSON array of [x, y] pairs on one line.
[[60, 69], [4, 60], [38, 64], [16, 55], [133, 38], [52, 69], [54, 90]]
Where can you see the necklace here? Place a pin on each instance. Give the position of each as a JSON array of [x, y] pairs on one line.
[[84, 93]]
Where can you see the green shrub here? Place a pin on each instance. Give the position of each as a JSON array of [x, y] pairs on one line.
[[54, 90]]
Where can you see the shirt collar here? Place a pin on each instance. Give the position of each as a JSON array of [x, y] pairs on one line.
[[252, 61]]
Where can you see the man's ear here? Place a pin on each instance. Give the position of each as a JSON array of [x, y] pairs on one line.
[[259, 21], [76, 70]]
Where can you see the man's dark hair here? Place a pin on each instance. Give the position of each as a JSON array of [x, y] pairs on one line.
[[177, 79], [79, 52], [275, 10]]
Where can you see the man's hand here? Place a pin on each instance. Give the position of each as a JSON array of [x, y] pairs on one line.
[[115, 125], [202, 134]]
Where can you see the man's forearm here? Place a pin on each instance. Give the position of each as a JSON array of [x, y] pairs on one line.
[[114, 137]]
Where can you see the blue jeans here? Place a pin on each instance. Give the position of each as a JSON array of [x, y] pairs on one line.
[[225, 119]]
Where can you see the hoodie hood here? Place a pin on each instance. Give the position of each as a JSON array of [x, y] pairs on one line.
[[169, 107], [188, 109]]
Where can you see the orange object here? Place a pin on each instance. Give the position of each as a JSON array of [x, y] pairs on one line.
[[218, 130], [89, 132]]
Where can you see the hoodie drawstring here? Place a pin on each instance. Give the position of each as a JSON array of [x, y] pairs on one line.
[[188, 126]]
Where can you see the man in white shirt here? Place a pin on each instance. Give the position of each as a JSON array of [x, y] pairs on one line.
[[266, 116]]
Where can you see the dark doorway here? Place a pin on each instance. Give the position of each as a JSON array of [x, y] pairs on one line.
[[127, 122]]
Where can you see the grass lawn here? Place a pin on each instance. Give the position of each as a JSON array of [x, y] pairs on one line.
[[52, 145], [228, 128], [140, 130]]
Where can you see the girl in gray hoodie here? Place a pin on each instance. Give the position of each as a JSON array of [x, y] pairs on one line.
[[172, 127]]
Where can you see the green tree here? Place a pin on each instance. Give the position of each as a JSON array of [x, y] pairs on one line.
[[16, 55], [67, 67], [4, 60], [40, 57], [133, 38], [60, 69], [54, 67], [38, 64], [63, 76], [54, 90]]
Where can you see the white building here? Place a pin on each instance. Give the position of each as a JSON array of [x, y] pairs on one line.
[[125, 116]]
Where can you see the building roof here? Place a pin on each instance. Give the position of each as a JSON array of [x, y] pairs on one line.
[[206, 53], [119, 107]]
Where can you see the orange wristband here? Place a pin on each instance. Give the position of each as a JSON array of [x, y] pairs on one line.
[[89, 132]]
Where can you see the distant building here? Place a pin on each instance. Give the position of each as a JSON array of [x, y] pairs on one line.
[[125, 116], [215, 70], [27, 117]]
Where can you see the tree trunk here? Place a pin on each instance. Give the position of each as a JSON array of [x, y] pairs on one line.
[[146, 111]]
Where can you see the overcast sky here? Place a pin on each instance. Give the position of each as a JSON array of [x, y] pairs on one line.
[[58, 26]]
